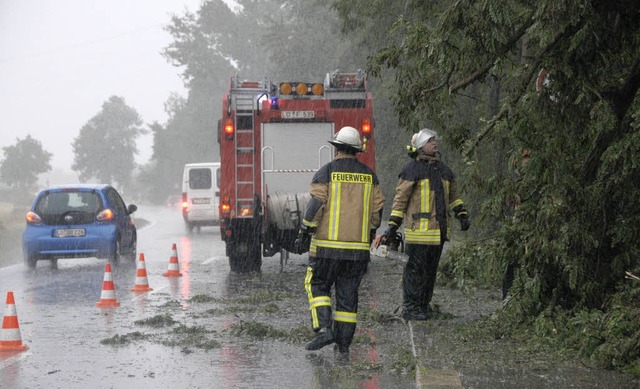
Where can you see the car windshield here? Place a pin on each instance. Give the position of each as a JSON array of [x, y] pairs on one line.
[[68, 207]]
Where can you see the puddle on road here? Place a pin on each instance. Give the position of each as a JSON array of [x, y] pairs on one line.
[[256, 335]]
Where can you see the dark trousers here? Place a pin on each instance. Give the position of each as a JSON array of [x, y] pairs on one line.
[[419, 277], [346, 275]]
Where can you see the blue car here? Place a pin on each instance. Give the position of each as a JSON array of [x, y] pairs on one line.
[[78, 221]]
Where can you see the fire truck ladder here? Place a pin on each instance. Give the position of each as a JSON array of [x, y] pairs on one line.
[[245, 106]]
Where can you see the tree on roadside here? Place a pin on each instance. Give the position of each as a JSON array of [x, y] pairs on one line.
[[162, 176], [253, 42], [206, 46], [23, 162], [106, 146], [559, 79]]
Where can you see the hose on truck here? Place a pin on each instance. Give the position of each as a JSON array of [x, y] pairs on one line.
[[286, 210]]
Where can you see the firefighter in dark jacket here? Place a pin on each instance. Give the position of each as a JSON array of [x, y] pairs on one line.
[[338, 227], [425, 194]]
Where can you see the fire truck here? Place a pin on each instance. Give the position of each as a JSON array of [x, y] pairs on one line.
[[273, 137]]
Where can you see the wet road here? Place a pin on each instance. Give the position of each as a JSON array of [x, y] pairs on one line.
[[214, 329], [190, 331]]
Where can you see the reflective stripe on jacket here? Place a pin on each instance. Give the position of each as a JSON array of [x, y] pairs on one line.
[[346, 204], [416, 200]]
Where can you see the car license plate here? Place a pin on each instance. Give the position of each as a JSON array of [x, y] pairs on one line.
[[201, 201], [67, 232], [298, 114]]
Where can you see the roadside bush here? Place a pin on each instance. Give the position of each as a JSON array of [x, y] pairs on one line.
[[469, 265]]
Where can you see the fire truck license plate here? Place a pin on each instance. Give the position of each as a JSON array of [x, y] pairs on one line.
[[298, 114]]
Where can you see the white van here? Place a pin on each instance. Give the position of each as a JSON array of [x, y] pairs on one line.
[[201, 194]]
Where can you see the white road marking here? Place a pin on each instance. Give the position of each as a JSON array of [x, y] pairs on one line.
[[432, 378], [415, 355]]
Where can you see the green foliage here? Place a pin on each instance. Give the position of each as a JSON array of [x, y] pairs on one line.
[[470, 265], [106, 146], [605, 338], [472, 70], [371, 317], [202, 298], [157, 321], [187, 337], [22, 163], [121, 340], [263, 296], [559, 79], [404, 363]]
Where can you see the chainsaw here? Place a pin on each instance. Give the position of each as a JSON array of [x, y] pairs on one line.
[[389, 248]]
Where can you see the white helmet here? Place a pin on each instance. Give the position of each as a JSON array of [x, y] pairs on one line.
[[421, 138], [347, 136], [413, 140]]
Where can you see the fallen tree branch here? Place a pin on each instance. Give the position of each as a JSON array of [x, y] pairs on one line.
[[631, 276], [480, 73], [620, 101], [473, 143]]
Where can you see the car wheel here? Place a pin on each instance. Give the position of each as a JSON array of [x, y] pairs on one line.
[[189, 227], [116, 257], [132, 256]]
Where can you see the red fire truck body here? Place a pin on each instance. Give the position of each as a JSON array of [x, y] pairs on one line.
[[273, 138]]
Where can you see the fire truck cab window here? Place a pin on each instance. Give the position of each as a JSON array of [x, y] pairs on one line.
[[200, 178], [349, 104]]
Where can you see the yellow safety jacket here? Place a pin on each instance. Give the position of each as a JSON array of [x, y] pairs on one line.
[[346, 204], [425, 194]]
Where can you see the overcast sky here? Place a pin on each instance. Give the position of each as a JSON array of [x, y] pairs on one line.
[[61, 60]]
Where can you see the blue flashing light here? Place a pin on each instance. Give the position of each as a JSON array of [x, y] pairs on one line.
[[274, 102]]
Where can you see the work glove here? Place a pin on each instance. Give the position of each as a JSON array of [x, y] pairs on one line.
[[372, 236], [464, 223], [462, 215], [303, 240], [388, 237]]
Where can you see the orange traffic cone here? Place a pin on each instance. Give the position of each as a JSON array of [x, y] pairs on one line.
[[142, 283], [10, 339], [174, 267], [108, 294]]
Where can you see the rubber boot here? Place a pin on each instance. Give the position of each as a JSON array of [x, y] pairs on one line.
[[343, 333], [412, 312], [324, 335]]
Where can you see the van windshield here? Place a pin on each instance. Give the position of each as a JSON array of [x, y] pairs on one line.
[[200, 178]]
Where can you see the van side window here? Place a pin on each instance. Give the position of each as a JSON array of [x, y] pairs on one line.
[[200, 178], [218, 178]]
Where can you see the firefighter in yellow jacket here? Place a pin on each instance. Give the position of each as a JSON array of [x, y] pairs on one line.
[[338, 227], [425, 195]]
